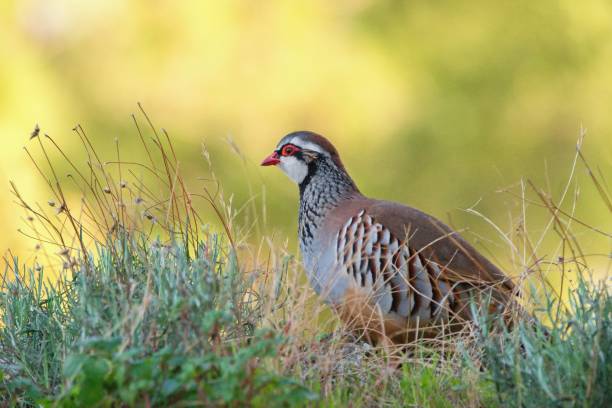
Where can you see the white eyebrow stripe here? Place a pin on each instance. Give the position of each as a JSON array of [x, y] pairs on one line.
[[308, 145]]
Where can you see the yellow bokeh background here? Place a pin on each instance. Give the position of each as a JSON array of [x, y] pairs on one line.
[[435, 104]]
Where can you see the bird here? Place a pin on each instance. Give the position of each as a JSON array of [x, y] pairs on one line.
[[392, 272]]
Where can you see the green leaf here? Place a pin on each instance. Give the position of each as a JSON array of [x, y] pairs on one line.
[[170, 386], [73, 364], [96, 369], [91, 392]]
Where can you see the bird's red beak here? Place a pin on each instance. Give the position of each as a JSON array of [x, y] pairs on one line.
[[271, 160]]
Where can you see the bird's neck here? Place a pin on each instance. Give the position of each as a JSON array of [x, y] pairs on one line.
[[325, 187]]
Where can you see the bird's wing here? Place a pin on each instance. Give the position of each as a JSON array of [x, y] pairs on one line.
[[397, 277], [460, 261], [409, 262]]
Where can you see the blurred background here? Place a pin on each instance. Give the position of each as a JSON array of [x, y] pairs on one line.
[[443, 105]]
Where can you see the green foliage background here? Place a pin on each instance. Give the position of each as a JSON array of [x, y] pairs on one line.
[[437, 104]]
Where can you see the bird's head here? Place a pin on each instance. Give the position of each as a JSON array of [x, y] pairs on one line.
[[299, 153]]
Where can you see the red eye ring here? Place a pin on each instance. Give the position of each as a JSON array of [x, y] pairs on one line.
[[289, 150]]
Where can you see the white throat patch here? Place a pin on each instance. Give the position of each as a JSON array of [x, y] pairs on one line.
[[296, 169]]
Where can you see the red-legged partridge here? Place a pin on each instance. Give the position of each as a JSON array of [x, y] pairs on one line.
[[391, 271]]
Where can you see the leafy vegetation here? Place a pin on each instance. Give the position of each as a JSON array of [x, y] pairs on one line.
[[142, 302], [569, 364], [147, 324]]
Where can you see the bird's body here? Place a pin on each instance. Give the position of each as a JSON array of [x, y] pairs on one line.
[[391, 271]]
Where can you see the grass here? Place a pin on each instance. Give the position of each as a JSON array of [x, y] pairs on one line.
[[151, 305], [568, 365], [146, 324]]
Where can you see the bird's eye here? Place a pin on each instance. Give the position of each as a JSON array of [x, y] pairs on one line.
[[288, 150]]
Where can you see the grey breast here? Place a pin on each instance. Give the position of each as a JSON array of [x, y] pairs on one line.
[[324, 272]]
